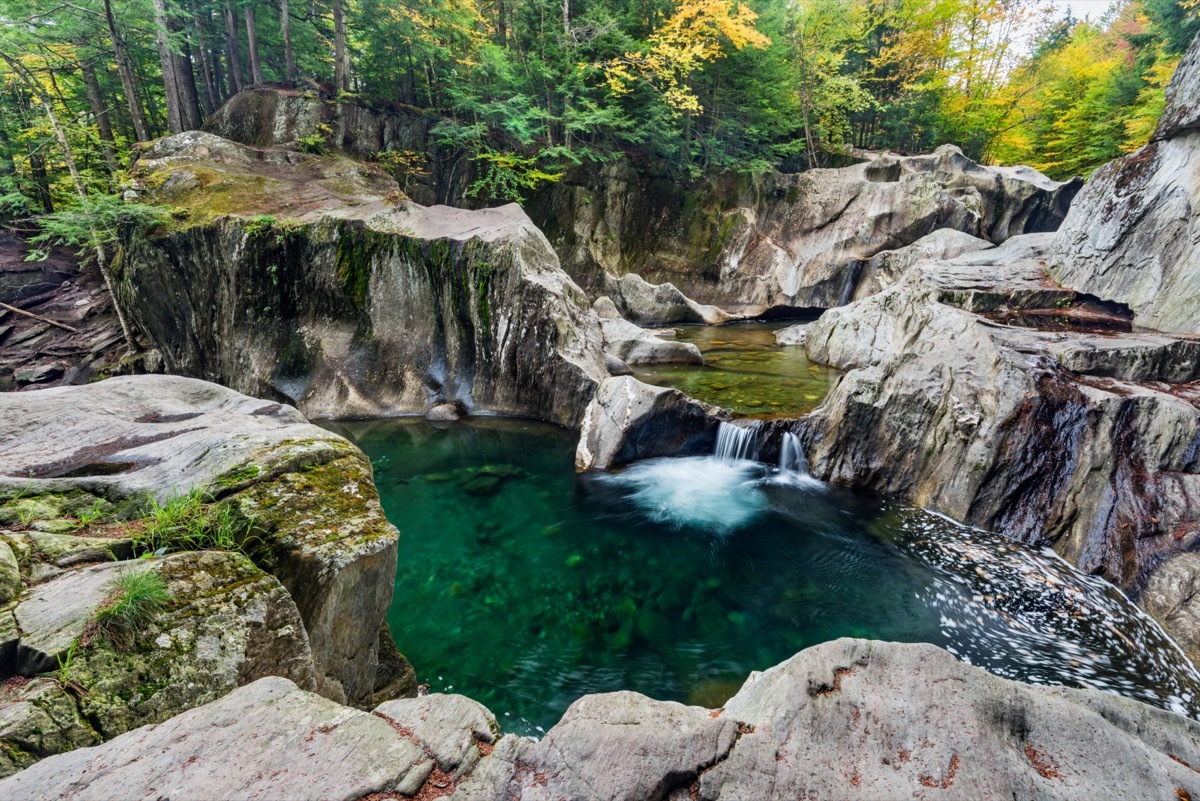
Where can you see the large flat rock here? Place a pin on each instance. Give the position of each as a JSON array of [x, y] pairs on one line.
[[268, 740]]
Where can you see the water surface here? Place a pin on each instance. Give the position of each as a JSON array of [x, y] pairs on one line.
[[745, 371], [525, 588]]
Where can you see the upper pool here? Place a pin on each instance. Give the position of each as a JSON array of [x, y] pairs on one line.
[[745, 371], [525, 587]]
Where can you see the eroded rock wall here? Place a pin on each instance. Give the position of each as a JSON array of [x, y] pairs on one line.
[[1086, 441], [747, 245]]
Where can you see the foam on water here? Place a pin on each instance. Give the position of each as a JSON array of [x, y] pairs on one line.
[[705, 493], [1028, 615]]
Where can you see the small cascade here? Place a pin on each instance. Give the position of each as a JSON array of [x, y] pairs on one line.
[[791, 454], [737, 443], [853, 276]]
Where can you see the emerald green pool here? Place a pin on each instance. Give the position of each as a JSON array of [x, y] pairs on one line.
[[745, 371], [525, 587]]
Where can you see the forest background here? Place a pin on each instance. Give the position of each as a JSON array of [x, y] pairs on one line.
[[533, 88]]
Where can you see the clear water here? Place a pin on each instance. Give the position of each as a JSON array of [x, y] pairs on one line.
[[525, 587], [745, 371]]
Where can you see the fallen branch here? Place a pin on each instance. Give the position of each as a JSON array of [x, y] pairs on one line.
[[39, 317]]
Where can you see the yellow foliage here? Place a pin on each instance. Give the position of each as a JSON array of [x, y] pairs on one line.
[[698, 32]]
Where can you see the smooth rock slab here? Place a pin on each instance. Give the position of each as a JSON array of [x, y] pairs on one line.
[[268, 740], [52, 615], [856, 719], [324, 534]]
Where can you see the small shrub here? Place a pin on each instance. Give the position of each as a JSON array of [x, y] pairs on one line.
[[186, 523], [138, 595], [316, 141]]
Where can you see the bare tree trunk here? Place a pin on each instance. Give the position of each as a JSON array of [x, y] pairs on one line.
[[341, 62], [233, 56], [285, 27], [136, 115], [566, 17], [501, 24], [167, 60], [252, 44], [87, 68]]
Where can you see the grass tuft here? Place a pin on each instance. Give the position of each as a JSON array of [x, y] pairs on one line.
[[186, 523], [138, 595]]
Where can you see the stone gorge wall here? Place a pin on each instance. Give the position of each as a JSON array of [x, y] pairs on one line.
[[748, 245], [311, 280]]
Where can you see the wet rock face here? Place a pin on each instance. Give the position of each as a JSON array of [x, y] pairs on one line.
[[319, 528], [847, 719], [349, 300], [1087, 442], [1133, 234], [786, 240]]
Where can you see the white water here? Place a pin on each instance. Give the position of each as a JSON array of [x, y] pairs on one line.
[[697, 492], [791, 454], [737, 443], [793, 464]]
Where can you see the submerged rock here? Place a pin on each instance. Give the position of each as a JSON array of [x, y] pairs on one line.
[[313, 280], [1133, 234], [633, 345], [748, 245]]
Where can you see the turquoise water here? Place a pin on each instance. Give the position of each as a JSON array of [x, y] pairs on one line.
[[525, 587]]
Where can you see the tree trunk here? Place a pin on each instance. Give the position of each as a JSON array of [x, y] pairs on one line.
[[285, 27], [211, 94], [136, 115], [341, 62], [37, 171], [566, 17], [185, 82], [252, 44], [100, 112], [501, 24], [167, 60], [233, 56]]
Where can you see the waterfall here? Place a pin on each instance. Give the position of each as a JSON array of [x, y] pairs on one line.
[[737, 443], [791, 454]]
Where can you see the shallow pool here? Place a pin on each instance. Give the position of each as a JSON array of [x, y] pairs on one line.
[[525, 587], [745, 371]]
